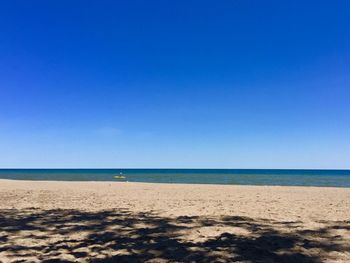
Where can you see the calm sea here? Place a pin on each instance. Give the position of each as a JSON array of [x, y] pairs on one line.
[[338, 178]]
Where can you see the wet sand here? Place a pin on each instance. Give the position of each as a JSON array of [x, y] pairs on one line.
[[138, 222]]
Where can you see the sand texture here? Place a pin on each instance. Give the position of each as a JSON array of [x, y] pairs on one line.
[[139, 222]]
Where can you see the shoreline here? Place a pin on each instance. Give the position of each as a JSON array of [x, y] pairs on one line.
[[180, 184]]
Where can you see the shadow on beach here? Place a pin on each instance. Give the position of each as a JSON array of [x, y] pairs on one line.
[[124, 236]]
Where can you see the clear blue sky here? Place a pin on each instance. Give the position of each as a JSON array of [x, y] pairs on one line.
[[225, 84]]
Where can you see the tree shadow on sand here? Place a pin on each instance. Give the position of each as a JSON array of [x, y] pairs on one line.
[[124, 236]]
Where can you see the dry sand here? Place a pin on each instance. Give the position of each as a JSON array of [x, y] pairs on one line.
[[139, 222]]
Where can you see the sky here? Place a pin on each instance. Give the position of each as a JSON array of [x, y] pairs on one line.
[[175, 84]]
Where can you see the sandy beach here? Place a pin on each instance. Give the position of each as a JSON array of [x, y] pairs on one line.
[[139, 222]]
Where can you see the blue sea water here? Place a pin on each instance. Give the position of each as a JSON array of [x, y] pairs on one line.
[[336, 178]]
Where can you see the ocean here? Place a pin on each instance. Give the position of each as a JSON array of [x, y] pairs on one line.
[[329, 178]]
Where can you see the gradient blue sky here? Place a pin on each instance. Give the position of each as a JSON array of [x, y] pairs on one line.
[[225, 84]]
